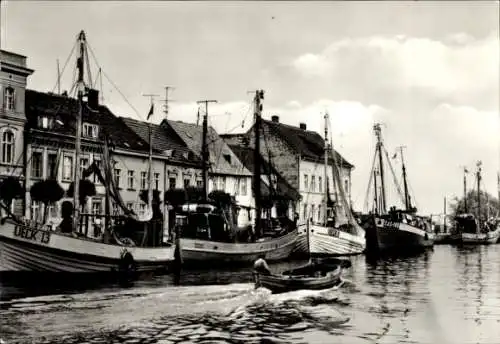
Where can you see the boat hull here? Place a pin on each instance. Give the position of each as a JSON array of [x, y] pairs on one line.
[[324, 241], [283, 284], [480, 238], [206, 251], [24, 248], [389, 236]]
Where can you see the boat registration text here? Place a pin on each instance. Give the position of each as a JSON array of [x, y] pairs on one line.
[[32, 234]]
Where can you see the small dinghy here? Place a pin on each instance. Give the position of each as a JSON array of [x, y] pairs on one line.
[[315, 275]]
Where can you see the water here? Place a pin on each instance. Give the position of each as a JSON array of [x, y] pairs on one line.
[[448, 295]]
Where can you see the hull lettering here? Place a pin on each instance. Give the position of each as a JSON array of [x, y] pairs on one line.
[[32, 234], [391, 225]]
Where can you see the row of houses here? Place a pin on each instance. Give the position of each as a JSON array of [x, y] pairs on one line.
[[37, 142]]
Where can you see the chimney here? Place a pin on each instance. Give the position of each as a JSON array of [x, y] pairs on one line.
[[93, 98], [275, 119], [303, 126]]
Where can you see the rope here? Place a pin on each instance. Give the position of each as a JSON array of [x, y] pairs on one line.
[[65, 64], [370, 181], [398, 188]]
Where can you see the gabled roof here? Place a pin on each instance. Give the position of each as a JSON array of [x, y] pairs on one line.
[[246, 156], [309, 144], [164, 140], [62, 111], [222, 158]]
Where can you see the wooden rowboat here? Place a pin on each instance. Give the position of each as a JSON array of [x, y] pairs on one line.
[[316, 275]]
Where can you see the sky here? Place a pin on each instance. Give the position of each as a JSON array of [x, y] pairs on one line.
[[428, 71]]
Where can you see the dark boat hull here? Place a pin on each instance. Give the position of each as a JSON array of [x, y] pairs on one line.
[[387, 236]]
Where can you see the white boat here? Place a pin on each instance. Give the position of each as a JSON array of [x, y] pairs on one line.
[[26, 245], [339, 233]]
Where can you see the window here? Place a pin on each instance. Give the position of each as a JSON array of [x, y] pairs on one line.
[[97, 161], [306, 182], [130, 206], [8, 147], [142, 208], [45, 122], [346, 188], [313, 208], [130, 179], [172, 182], [222, 185], [36, 165], [319, 213], [199, 183], [243, 186], [52, 165], [144, 179], [67, 167], [116, 209], [51, 211], [157, 181], [9, 98], [36, 210], [186, 183], [97, 207], [305, 212], [320, 184], [117, 177], [313, 183], [90, 130], [84, 163]]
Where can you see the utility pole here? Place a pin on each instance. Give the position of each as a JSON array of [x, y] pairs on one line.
[[204, 147], [166, 100]]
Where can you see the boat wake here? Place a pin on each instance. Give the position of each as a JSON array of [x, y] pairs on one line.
[[233, 313]]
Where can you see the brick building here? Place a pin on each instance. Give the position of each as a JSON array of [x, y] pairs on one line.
[[298, 155]]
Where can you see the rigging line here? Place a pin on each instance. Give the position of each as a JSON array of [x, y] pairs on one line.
[[370, 181], [112, 83], [65, 64], [398, 187]]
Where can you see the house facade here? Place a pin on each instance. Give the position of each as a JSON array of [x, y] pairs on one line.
[[298, 155], [50, 153], [226, 172], [14, 74]]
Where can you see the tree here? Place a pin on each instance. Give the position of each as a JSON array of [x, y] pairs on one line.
[[458, 205], [86, 190], [10, 189], [47, 192]]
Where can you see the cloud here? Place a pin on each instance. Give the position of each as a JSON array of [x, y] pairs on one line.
[[453, 68]]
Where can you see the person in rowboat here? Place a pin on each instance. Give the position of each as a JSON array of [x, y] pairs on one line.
[[261, 266]]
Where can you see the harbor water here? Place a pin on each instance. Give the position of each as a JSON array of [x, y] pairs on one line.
[[446, 295]]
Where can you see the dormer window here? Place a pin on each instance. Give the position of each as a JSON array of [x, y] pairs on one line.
[[90, 130], [228, 158], [9, 98], [45, 122]]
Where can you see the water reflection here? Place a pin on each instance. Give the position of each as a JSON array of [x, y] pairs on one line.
[[449, 295]]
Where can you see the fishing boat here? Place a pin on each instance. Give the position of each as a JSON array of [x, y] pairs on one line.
[[209, 230], [474, 228], [28, 245], [396, 229], [338, 234]]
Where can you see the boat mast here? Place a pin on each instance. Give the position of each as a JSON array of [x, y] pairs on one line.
[[259, 95], [478, 193], [325, 201], [405, 183], [465, 190], [81, 91], [375, 186], [444, 223], [204, 148], [378, 134]]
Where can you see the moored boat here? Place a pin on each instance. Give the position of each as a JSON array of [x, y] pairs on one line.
[[27, 245], [338, 233], [396, 230], [209, 230]]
